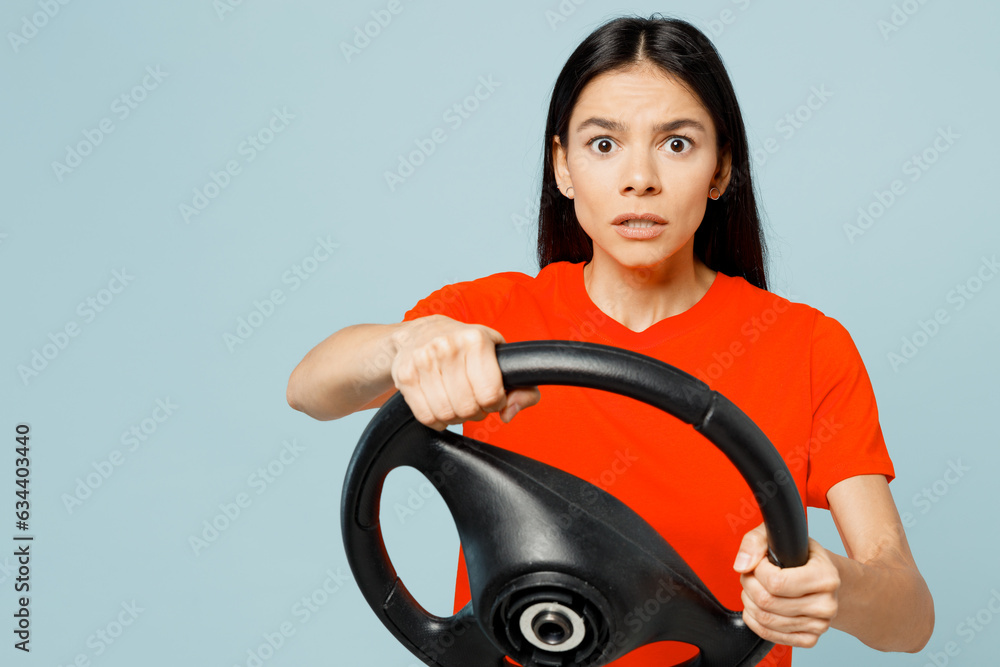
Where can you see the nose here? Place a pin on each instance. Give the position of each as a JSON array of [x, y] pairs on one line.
[[640, 174]]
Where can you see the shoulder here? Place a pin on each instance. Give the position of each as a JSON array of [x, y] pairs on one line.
[[835, 365], [767, 309], [771, 308], [477, 300]]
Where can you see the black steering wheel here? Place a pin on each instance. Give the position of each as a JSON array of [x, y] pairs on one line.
[[548, 591]]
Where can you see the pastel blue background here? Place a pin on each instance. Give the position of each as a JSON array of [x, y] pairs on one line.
[[456, 218]]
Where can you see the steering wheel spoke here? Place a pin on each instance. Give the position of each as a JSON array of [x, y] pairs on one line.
[[556, 565]]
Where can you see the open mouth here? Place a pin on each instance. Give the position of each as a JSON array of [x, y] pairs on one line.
[[638, 220], [640, 223]]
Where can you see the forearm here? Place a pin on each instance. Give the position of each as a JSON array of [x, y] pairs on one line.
[[345, 372], [886, 606]]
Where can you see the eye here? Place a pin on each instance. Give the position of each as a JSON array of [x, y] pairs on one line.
[[676, 144], [602, 143]]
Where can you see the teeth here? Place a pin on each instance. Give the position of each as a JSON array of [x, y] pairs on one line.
[[639, 223]]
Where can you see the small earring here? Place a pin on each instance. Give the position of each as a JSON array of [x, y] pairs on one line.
[[569, 192], [714, 197]]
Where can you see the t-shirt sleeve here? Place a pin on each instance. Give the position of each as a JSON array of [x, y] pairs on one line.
[[477, 301], [846, 438]]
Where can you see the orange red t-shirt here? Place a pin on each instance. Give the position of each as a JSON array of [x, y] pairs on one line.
[[794, 371]]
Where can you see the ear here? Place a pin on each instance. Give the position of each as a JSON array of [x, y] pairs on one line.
[[724, 170], [560, 165]]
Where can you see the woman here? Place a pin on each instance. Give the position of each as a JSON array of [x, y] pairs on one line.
[[649, 239]]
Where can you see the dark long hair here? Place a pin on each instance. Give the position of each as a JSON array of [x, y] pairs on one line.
[[729, 239]]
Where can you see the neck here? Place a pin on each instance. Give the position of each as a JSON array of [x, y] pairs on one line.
[[638, 297]]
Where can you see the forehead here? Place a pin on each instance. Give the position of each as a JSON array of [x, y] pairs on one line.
[[638, 91]]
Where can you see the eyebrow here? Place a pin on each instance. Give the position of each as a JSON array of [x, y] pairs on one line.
[[618, 126]]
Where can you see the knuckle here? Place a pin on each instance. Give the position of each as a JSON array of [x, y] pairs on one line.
[[473, 337], [443, 346], [753, 540], [765, 600], [764, 617], [466, 408], [776, 586], [493, 395], [424, 416], [405, 373], [423, 357]]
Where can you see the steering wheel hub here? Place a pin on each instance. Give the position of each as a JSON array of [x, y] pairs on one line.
[[551, 618]]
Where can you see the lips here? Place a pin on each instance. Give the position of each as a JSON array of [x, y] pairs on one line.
[[638, 216]]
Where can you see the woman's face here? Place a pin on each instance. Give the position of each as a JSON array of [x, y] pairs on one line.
[[639, 142]]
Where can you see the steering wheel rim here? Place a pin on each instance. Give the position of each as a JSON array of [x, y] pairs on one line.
[[474, 635]]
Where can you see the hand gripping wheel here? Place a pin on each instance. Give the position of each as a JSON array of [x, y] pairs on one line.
[[546, 595]]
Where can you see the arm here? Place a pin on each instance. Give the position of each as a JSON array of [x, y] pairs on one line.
[[446, 370], [347, 372], [876, 594], [885, 601]]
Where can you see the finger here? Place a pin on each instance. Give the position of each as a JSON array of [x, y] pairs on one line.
[[512, 401], [785, 624], [753, 549], [460, 389], [430, 383], [483, 373], [518, 399], [818, 575], [526, 396], [406, 376], [799, 639], [822, 606], [419, 407]]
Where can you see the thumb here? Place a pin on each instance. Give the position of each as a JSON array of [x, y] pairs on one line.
[[517, 399], [753, 549]]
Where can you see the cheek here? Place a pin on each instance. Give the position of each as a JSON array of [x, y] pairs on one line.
[[688, 178], [689, 185], [586, 213], [592, 186], [588, 172]]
